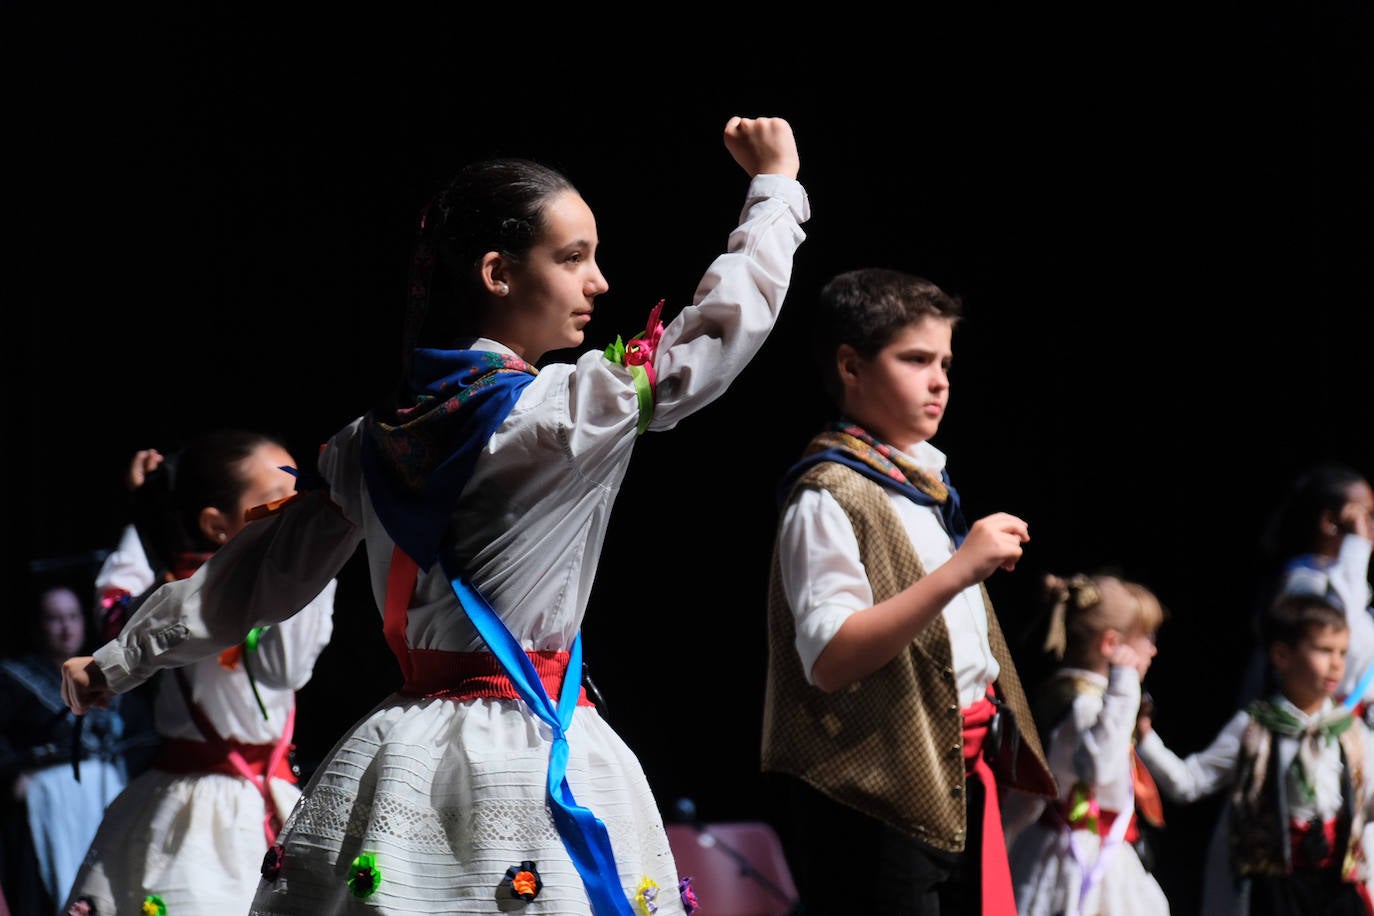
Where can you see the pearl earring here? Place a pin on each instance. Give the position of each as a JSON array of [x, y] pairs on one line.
[[221, 536], [504, 289]]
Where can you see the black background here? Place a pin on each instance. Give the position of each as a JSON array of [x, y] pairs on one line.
[[1159, 224]]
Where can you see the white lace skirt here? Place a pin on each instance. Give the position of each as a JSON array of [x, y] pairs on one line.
[[1049, 881], [446, 796], [196, 841]]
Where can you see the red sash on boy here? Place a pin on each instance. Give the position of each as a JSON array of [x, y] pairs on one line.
[[998, 897]]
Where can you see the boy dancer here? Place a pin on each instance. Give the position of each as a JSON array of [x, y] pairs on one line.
[[893, 710]]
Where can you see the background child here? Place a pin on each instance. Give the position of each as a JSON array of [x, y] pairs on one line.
[[1318, 540], [1081, 856], [192, 829], [887, 667], [1292, 835]]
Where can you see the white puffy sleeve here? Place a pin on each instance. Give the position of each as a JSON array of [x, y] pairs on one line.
[[269, 571], [1198, 775]]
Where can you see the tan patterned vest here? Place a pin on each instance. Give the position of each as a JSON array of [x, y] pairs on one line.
[[891, 745], [1259, 835]]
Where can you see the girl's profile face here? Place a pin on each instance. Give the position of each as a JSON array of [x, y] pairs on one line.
[[552, 290], [267, 482]]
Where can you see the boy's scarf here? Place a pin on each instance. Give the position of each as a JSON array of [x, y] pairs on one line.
[[849, 444], [417, 457], [1324, 729]]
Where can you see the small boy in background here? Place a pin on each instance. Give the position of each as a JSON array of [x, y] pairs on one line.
[[1291, 836]]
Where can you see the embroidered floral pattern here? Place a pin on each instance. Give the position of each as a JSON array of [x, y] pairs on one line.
[[153, 905], [364, 876], [524, 881]]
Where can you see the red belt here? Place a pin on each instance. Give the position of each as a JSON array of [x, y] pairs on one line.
[[479, 675], [1056, 815], [1297, 835], [182, 756]]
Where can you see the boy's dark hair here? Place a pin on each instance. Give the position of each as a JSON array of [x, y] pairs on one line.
[[1296, 614], [866, 308]]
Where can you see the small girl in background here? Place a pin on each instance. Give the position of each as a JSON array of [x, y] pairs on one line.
[[188, 835], [1080, 856]]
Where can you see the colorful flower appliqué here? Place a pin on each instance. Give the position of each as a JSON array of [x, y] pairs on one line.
[[646, 898], [1083, 808], [364, 876], [83, 906], [525, 882], [153, 905], [689, 896], [638, 357], [271, 861]]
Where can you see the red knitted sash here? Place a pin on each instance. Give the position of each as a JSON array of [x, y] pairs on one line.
[[183, 756], [479, 675]]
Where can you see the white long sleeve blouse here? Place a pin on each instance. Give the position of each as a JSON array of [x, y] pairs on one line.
[[535, 512]]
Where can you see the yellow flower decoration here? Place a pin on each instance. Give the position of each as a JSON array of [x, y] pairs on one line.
[[646, 897]]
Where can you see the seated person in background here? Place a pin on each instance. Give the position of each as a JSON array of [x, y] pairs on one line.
[[55, 778]]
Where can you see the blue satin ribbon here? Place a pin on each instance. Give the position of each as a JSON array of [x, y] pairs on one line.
[[583, 834], [416, 463], [1357, 694]]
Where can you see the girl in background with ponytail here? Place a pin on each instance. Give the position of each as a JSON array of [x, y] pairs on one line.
[[1084, 853]]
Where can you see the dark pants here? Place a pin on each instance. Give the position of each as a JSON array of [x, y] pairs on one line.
[[1306, 892], [844, 862]]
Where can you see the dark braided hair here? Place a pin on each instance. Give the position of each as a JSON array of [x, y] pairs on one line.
[[205, 472], [492, 205]]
